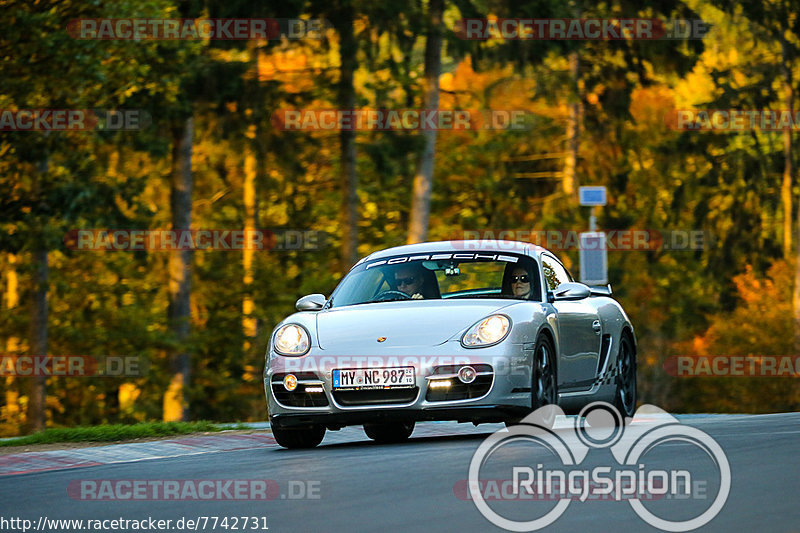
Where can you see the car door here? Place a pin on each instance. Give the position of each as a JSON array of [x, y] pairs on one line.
[[579, 332]]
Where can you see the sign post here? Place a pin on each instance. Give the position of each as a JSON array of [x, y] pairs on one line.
[[593, 251]]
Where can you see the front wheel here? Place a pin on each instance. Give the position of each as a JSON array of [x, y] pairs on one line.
[[389, 432], [299, 438], [625, 397], [544, 384], [544, 387]]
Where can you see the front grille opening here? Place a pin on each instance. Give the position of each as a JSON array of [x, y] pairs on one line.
[[461, 391], [375, 396]]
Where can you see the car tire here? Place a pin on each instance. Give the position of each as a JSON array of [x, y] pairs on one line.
[[544, 382], [389, 432], [299, 438], [625, 396]]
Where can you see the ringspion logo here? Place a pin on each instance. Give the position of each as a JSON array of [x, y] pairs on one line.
[[558, 473]]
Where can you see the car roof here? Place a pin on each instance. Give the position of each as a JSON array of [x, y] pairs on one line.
[[487, 245]]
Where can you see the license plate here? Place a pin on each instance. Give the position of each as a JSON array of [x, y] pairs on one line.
[[373, 378]]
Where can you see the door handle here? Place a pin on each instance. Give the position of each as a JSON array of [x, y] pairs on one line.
[[596, 326]]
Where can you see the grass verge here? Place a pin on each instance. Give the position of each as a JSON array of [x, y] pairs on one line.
[[116, 432]]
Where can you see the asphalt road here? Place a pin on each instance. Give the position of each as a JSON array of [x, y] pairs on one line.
[[356, 485]]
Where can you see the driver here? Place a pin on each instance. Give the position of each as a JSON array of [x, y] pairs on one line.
[[410, 281]]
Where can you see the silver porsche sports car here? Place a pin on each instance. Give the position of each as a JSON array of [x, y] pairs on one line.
[[471, 331]]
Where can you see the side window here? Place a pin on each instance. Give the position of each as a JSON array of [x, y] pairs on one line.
[[554, 273]]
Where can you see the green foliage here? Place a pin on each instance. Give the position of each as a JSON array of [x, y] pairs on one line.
[[112, 433]]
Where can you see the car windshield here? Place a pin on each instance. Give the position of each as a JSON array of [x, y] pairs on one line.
[[439, 276]]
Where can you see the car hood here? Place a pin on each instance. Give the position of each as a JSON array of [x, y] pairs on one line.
[[404, 324]]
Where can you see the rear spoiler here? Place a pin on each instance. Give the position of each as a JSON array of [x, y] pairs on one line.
[[601, 291]]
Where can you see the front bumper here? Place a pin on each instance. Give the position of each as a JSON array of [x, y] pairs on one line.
[[501, 391]]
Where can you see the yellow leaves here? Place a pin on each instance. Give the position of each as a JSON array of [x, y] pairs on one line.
[[292, 271], [761, 323], [650, 105], [230, 55], [172, 405], [739, 78], [446, 82], [291, 66], [700, 346], [370, 210], [128, 393], [465, 79], [697, 88]]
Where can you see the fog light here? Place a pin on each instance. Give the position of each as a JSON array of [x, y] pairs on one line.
[[314, 389], [467, 374], [440, 384], [290, 382]]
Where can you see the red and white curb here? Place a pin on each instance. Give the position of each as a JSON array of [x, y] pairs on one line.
[[29, 462]]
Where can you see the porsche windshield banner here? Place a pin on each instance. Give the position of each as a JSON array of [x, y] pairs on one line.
[[444, 257]]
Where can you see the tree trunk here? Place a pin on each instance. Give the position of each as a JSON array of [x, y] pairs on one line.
[[249, 323], [176, 406], [570, 180], [347, 138], [786, 190], [786, 186], [423, 177], [11, 413], [249, 192], [38, 386]]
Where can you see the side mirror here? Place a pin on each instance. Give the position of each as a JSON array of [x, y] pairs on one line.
[[312, 302], [572, 291], [602, 291]]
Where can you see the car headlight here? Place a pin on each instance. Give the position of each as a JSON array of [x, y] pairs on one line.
[[488, 331], [292, 339]]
